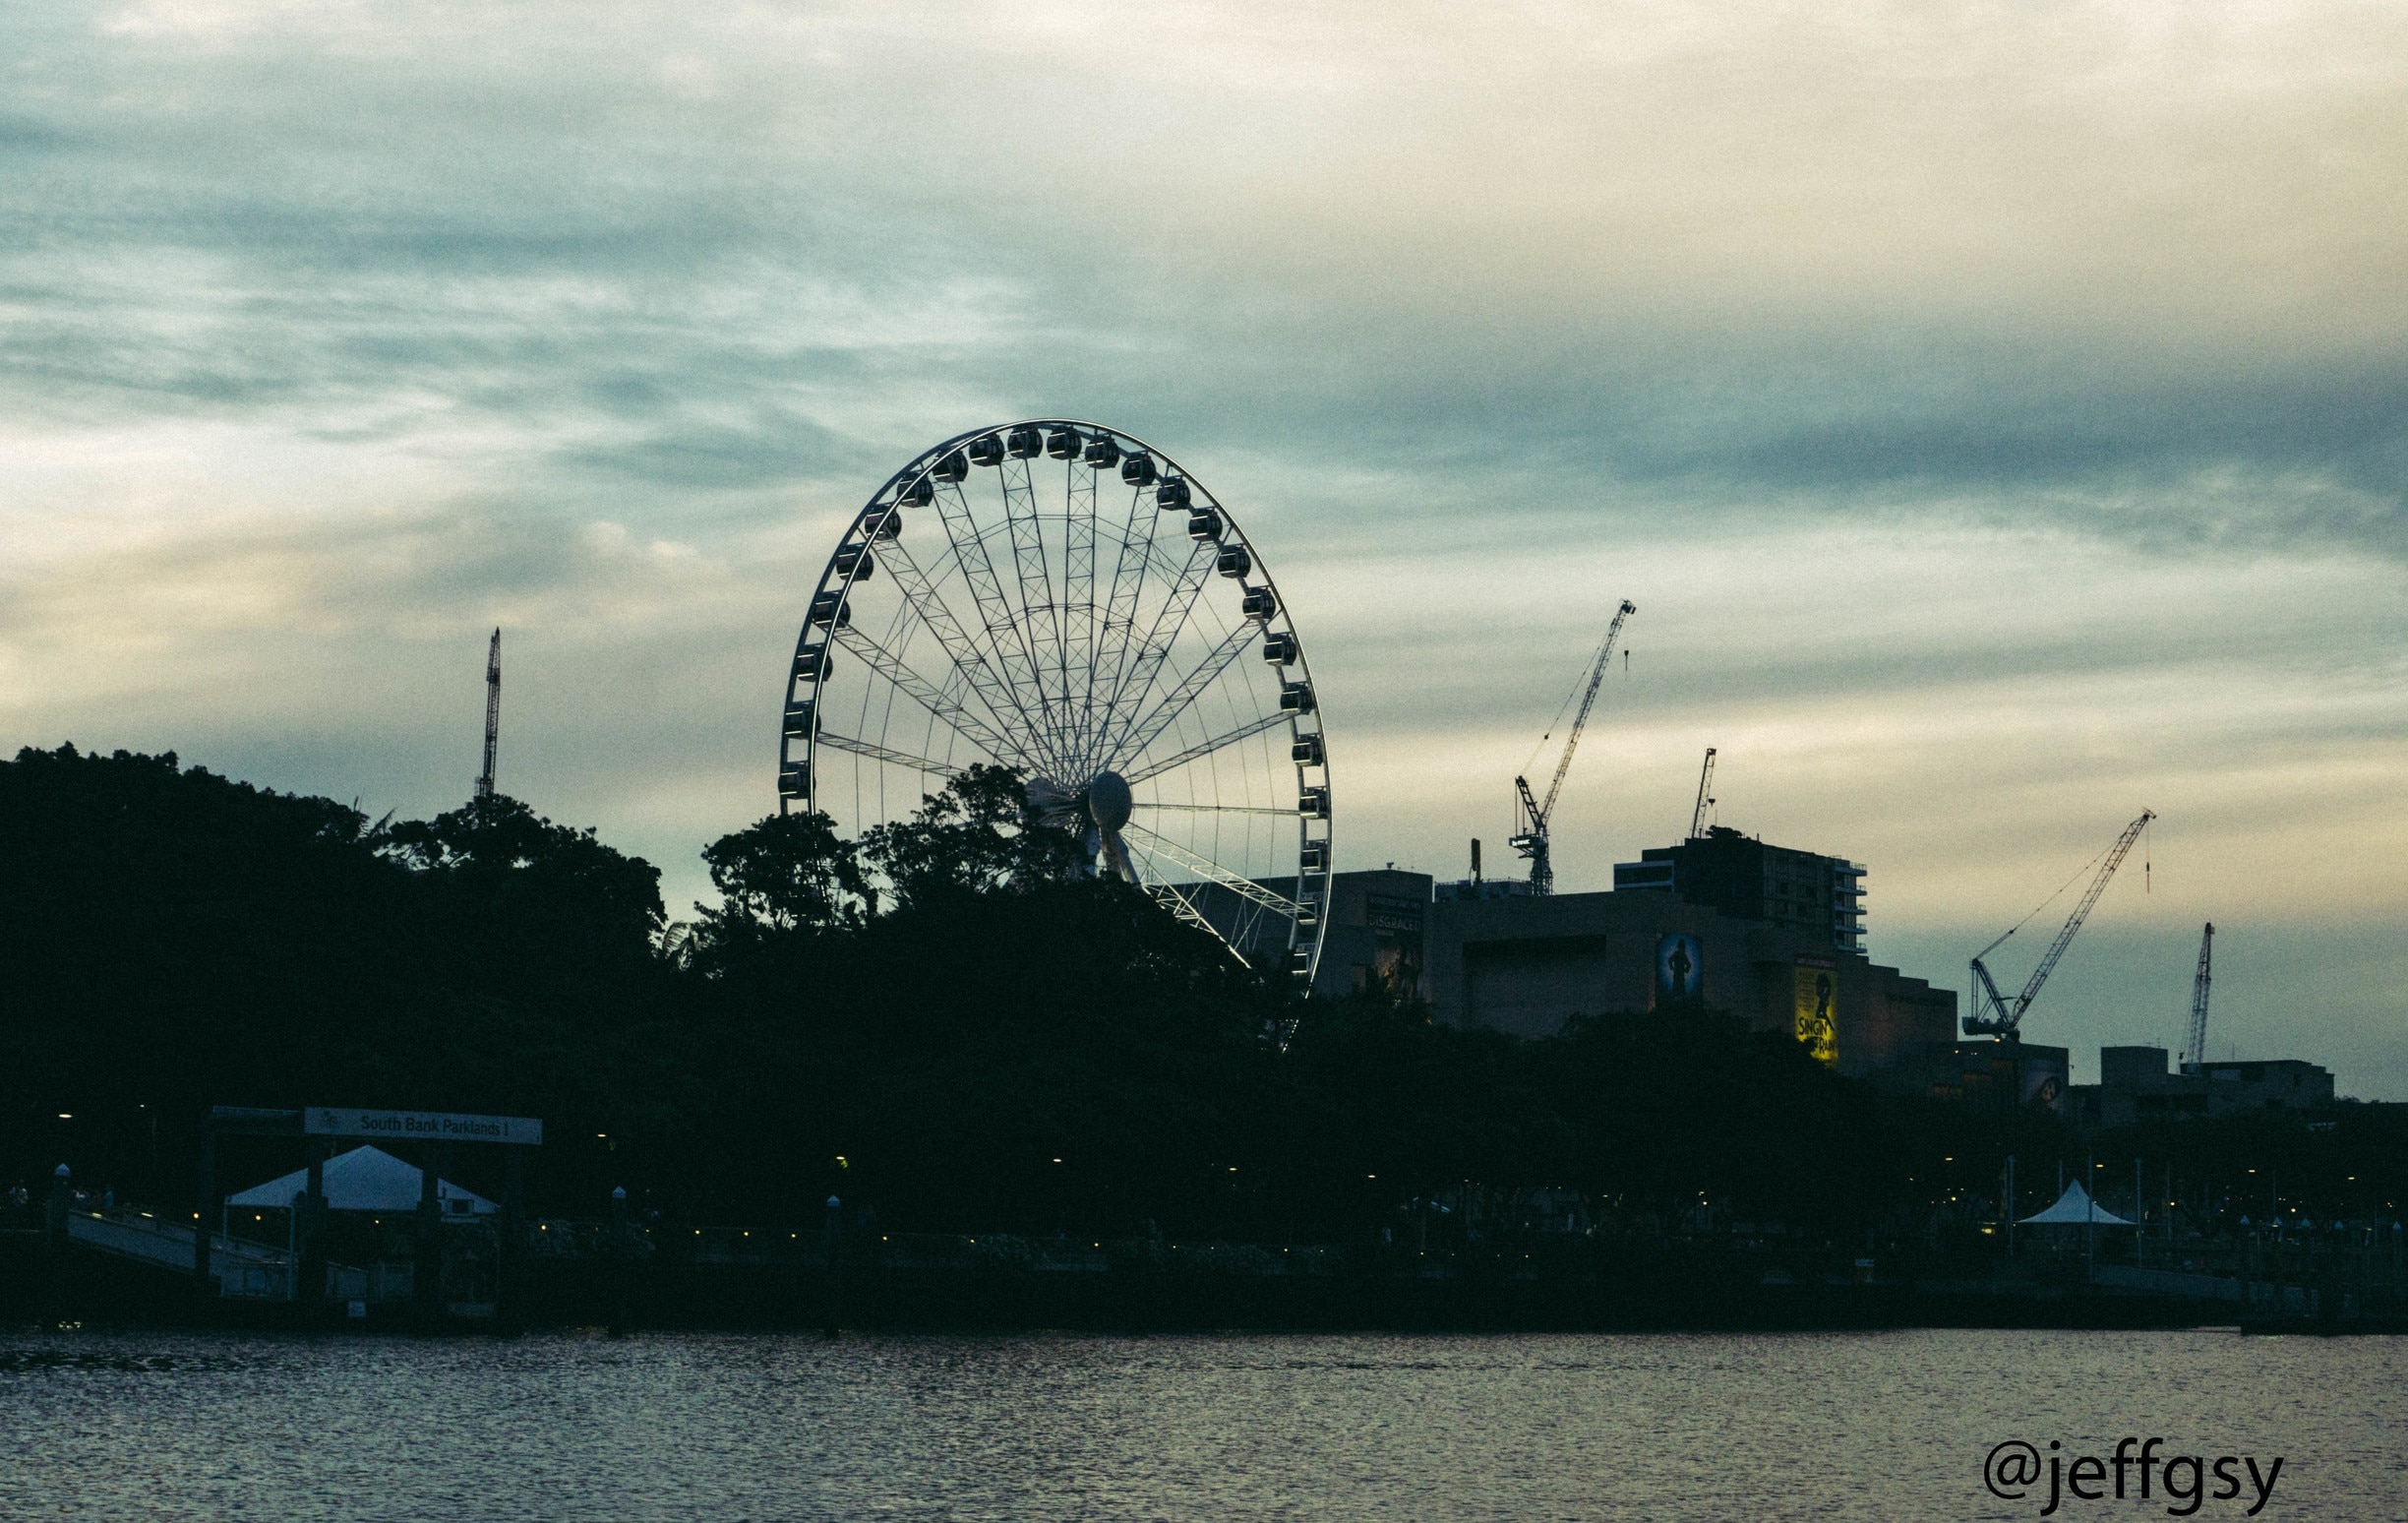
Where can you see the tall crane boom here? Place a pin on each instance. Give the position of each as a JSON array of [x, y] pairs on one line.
[[2195, 1054], [1530, 838], [1996, 1016], [1696, 815], [493, 714]]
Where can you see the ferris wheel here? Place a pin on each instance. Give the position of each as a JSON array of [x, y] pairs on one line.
[[1064, 599]]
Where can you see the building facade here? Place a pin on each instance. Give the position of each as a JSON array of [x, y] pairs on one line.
[[1371, 930], [2137, 1084], [1817, 896], [1525, 964], [1986, 1072]]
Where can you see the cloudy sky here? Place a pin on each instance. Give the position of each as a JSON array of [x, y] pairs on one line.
[[1998, 412]]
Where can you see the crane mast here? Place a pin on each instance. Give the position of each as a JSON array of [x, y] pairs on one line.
[[493, 714], [1705, 800], [2195, 1054], [1529, 837], [1996, 1016]]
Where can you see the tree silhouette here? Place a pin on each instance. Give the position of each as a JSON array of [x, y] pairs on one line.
[[979, 836]]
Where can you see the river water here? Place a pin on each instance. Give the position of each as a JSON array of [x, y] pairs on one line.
[[1329, 1430]]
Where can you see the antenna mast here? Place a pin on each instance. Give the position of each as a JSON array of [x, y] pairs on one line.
[[2198, 1053], [493, 714]]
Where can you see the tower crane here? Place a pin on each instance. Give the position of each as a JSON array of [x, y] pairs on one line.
[[1696, 815], [2195, 1056], [1996, 1016], [1531, 816], [493, 714]]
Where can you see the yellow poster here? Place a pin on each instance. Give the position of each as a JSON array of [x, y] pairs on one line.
[[1817, 1008]]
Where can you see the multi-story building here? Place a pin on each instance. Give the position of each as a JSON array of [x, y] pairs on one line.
[[1722, 921], [1739, 874]]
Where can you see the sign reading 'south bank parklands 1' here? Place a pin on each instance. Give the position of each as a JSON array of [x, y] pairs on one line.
[[321, 1121]]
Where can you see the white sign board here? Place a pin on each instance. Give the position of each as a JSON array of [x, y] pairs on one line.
[[419, 1127]]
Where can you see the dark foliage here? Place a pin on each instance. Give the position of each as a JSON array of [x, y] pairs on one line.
[[778, 877], [171, 940], [936, 1022], [977, 837]]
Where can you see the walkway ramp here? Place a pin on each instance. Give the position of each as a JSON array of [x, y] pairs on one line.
[[244, 1269]]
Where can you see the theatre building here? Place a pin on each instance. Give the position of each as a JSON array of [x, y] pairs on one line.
[[1721, 921]]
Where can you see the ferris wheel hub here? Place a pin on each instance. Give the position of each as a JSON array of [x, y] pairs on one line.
[[1108, 801]]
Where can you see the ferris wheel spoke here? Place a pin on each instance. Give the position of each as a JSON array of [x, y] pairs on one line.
[[1177, 700], [1080, 585], [1040, 620], [1006, 640], [968, 659], [928, 695], [1143, 805], [1182, 908], [1206, 868], [1136, 553], [1247, 731], [876, 753], [1137, 678]]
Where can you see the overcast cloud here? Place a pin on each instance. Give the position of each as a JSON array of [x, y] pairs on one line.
[[1998, 413]]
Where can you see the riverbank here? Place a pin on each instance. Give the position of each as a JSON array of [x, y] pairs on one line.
[[733, 1280]]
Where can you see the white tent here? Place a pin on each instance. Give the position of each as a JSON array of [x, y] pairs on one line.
[[2073, 1209], [366, 1179]]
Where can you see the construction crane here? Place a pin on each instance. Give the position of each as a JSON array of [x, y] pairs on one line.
[[1696, 815], [1996, 1016], [1530, 817], [493, 714], [2195, 1054]]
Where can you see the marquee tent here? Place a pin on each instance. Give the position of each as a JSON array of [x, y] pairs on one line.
[[366, 1179], [2073, 1209]]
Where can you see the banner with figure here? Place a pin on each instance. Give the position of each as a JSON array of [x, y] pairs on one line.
[[2043, 1077], [1680, 969], [1816, 985]]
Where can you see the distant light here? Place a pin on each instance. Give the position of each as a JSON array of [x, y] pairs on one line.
[[66, 1116], [1057, 1160]]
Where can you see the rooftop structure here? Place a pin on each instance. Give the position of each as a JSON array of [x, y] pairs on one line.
[[2136, 1083], [1817, 896]]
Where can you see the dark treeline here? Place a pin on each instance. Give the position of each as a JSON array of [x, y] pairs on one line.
[[936, 1022]]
